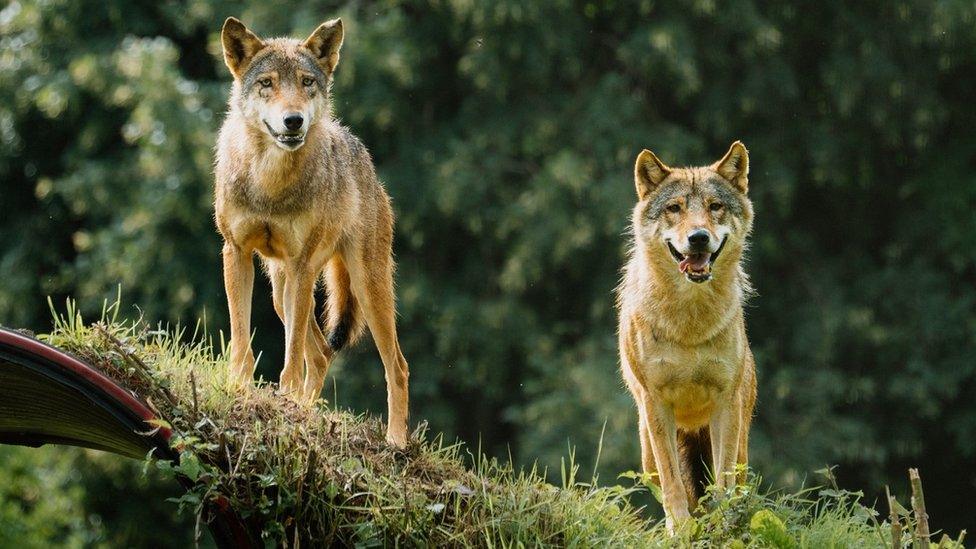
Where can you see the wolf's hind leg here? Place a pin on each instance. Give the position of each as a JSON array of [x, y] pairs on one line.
[[318, 358], [372, 284], [318, 355], [276, 273], [298, 299]]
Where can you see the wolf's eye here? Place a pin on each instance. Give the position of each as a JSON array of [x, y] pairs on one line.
[[308, 81], [715, 206], [265, 82], [674, 208]]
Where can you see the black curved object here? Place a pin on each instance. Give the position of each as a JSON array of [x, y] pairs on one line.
[[50, 397]]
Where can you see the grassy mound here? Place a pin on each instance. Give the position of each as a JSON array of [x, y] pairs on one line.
[[325, 476]]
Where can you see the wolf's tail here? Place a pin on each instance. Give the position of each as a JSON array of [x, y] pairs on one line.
[[343, 316], [696, 452]]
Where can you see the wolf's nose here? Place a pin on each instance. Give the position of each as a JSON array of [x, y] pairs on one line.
[[294, 121], [699, 239]]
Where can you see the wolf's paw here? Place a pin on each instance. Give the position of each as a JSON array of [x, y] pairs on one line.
[[242, 369], [397, 438], [311, 399], [241, 380], [676, 518], [290, 390]]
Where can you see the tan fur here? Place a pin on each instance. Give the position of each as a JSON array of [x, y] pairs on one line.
[[313, 211], [683, 347]]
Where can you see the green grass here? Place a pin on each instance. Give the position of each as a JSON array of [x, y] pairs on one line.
[[326, 476]]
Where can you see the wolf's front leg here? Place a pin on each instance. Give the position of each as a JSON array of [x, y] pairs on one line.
[[663, 435], [239, 285], [725, 429], [298, 296]]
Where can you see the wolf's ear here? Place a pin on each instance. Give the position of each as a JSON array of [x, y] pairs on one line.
[[240, 46], [734, 166], [649, 172], [324, 44]]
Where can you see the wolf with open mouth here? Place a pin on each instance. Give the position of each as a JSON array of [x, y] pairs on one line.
[[683, 348]]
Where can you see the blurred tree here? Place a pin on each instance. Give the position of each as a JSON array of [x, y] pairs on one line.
[[505, 132], [69, 497]]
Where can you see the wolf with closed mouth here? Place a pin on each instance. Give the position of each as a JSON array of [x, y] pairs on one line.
[[297, 188], [682, 337]]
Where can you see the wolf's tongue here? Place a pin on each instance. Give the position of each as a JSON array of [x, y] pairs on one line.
[[694, 262]]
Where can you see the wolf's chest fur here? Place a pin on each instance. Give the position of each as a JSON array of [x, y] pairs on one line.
[[254, 197], [277, 202], [685, 344], [267, 209], [274, 183], [690, 379], [271, 237]]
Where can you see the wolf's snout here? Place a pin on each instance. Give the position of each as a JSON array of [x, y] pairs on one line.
[[293, 121], [698, 240]]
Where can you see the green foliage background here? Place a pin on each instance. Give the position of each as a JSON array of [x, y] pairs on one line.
[[506, 132]]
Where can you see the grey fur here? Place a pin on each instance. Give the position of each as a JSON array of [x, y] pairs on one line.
[[265, 62], [730, 198]]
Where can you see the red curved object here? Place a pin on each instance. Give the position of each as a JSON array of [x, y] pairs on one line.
[[50, 397]]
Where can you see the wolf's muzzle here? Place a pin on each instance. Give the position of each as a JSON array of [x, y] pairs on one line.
[[294, 121], [288, 140], [698, 241]]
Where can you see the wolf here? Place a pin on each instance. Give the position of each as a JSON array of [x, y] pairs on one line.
[[681, 333], [300, 190]]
